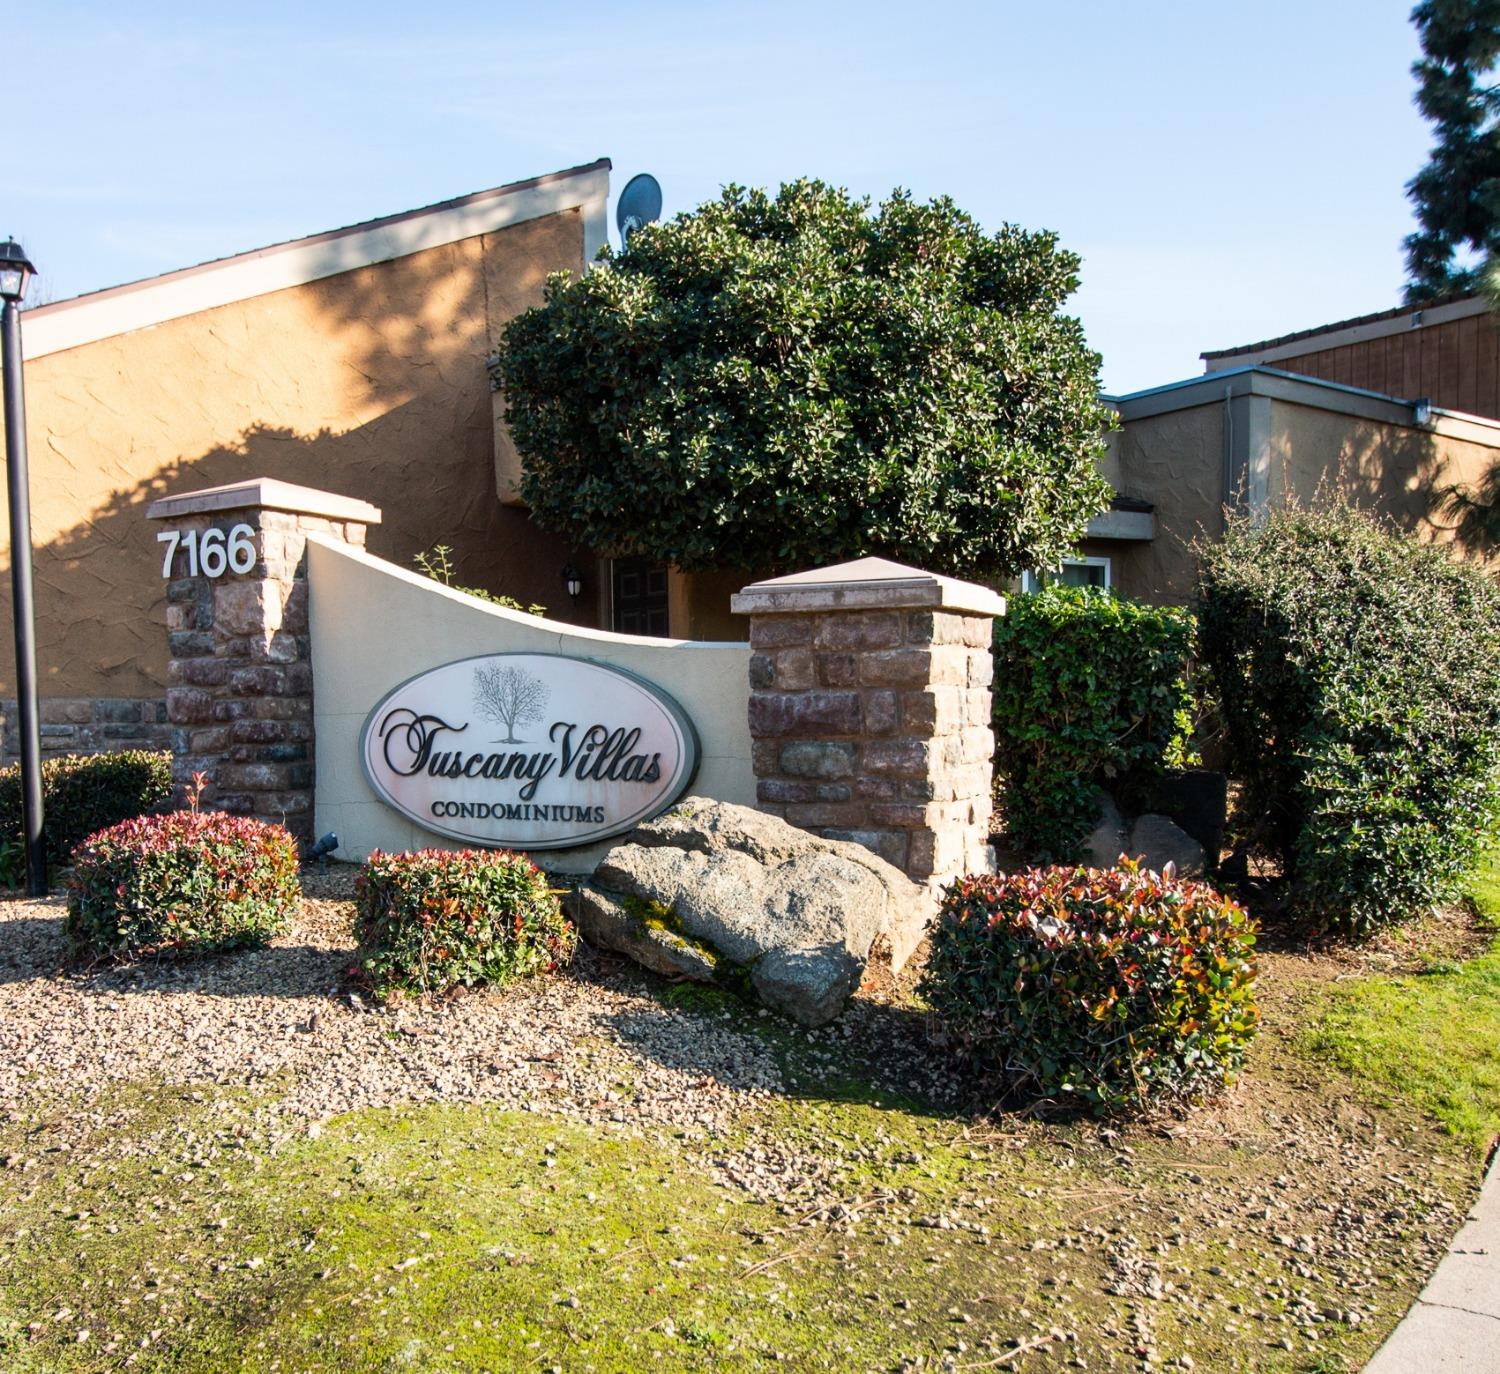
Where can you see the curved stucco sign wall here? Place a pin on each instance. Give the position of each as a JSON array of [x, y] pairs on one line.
[[528, 750]]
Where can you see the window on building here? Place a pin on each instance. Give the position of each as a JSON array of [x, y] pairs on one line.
[[1074, 572], [638, 598]]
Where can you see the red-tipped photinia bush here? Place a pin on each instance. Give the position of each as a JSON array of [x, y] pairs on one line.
[[437, 919], [184, 883], [1105, 989]]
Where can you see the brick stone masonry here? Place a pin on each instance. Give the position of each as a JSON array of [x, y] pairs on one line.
[[870, 711], [90, 725], [240, 685]]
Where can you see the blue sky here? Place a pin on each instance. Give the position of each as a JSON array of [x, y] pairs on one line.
[[1228, 172]]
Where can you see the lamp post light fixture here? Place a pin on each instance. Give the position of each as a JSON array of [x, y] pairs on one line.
[[573, 581], [15, 271]]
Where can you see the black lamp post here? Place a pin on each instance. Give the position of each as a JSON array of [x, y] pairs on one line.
[[573, 581], [15, 271]]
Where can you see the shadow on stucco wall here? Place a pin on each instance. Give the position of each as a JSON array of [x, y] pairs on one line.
[[369, 384], [1471, 511], [1437, 487], [96, 618]]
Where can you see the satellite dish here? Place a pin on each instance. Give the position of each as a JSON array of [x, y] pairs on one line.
[[639, 203]]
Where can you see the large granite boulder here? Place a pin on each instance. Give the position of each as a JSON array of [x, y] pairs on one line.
[[1155, 840], [722, 893], [1158, 841], [1109, 837]]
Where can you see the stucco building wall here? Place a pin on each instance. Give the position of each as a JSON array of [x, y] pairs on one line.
[[1174, 460], [370, 383], [1254, 439], [1394, 470]]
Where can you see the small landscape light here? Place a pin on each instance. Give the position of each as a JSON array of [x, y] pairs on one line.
[[573, 581], [323, 848]]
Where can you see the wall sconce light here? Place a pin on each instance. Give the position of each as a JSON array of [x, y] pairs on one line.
[[573, 581]]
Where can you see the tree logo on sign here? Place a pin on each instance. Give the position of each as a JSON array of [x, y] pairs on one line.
[[509, 697]]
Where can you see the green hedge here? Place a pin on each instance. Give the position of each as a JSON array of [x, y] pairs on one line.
[[82, 793], [1358, 674], [183, 883], [1105, 989], [436, 919], [1090, 689]]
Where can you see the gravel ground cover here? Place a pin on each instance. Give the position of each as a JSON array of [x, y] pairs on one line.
[[235, 1163], [281, 1015]]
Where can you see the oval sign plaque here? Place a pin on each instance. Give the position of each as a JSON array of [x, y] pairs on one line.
[[528, 751]]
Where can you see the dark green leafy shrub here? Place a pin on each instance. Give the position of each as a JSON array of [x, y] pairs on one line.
[[1358, 675], [82, 793], [790, 379], [1106, 989], [436, 919], [1090, 690], [185, 883], [12, 861]]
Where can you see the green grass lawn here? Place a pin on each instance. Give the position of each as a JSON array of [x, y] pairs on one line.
[[1430, 1038], [469, 1238], [163, 1227], [443, 1238]]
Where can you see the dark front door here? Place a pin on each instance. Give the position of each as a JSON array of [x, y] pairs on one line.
[[640, 597]]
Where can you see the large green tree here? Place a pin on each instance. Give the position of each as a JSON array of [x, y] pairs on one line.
[[778, 381], [1457, 194]]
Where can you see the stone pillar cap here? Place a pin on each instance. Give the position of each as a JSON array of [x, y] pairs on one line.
[[866, 584], [264, 493]]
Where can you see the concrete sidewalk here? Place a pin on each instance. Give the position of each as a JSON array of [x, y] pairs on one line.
[[1455, 1323]]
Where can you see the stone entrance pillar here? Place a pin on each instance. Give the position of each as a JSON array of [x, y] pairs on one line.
[[239, 694], [870, 710]]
